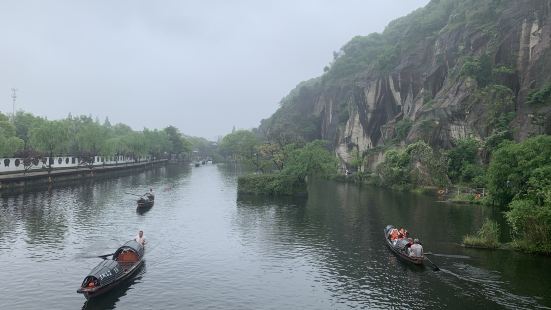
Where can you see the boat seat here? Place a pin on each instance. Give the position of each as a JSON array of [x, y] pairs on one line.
[[127, 257]]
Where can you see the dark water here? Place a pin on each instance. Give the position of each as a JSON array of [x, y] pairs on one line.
[[209, 249]]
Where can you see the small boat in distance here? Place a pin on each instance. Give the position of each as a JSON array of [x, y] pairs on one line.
[[400, 248], [111, 272], [146, 201]]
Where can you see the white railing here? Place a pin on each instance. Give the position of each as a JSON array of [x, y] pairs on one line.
[[12, 164]]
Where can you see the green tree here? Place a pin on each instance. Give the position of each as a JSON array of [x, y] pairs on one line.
[[239, 145], [514, 164], [91, 138], [158, 142], [312, 160], [24, 122], [462, 160], [178, 144], [50, 138]]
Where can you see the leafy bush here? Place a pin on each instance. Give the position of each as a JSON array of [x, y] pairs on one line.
[[270, 184], [402, 129], [540, 96], [312, 160], [462, 160], [478, 68], [486, 237], [519, 177], [531, 225], [514, 165], [417, 165]]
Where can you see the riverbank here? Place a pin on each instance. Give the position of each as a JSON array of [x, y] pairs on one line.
[[450, 194], [17, 181]]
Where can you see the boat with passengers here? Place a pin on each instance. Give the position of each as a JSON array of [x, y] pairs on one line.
[[124, 263]]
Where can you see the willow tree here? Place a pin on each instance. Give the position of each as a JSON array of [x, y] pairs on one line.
[[50, 138]]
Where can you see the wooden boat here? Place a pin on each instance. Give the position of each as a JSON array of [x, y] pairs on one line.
[[146, 201], [109, 273], [400, 248]]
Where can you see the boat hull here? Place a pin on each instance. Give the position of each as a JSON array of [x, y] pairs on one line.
[[109, 273], [89, 294]]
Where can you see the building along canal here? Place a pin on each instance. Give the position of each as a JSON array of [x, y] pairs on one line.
[[210, 249]]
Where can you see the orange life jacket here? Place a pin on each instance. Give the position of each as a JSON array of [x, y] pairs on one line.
[[394, 234]]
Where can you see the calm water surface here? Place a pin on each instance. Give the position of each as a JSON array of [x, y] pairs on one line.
[[209, 249]]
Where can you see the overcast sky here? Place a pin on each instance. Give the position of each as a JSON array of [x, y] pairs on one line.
[[202, 66]]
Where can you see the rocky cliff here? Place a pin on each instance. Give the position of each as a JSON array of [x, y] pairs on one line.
[[453, 69]]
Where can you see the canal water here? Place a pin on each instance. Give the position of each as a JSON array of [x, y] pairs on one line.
[[210, 249]]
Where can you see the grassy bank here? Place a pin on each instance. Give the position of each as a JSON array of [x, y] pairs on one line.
[[487, 237], [271, 185]]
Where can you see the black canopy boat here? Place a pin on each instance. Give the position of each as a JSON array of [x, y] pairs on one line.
[[111, 272], [400, 248], [146, 200]]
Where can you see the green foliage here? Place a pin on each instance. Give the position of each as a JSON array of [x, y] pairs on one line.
[[270, 184], [177, 143], [531, 223], [540, 96], [486, 237], [402, 129], [50, 137], [513, 165], [85, 137], [24, 122], [519, 177], [9, 146], [394, 170], [9, 143], [90, 138], [239, 145], [481, 69], [312, 160], [293, 122], [417, 165], [462, 161]]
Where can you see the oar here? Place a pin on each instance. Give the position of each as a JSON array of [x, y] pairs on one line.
[[134, 194], [435, 268], [105, 255]]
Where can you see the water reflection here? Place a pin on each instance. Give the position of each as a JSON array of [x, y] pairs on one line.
[[210, 249], [339, 229]]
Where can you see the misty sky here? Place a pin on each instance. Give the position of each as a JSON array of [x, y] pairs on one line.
[[202, 66]]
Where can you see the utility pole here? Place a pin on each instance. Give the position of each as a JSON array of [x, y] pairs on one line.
[[13, 97]]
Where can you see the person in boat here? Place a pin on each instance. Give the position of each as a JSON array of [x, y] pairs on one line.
[[140, 238], [394, 234], [402, 233], [150, 194], [416, 249]]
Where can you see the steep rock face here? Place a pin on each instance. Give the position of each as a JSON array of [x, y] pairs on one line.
[[470, 77]]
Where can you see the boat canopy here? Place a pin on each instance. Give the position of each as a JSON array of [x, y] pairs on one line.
[[104, 273], [131, 245]]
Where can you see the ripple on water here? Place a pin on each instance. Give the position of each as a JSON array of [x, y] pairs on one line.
[[209, 249]]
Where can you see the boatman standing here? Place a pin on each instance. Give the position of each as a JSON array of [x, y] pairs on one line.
[[151, 195], [140, 238]]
